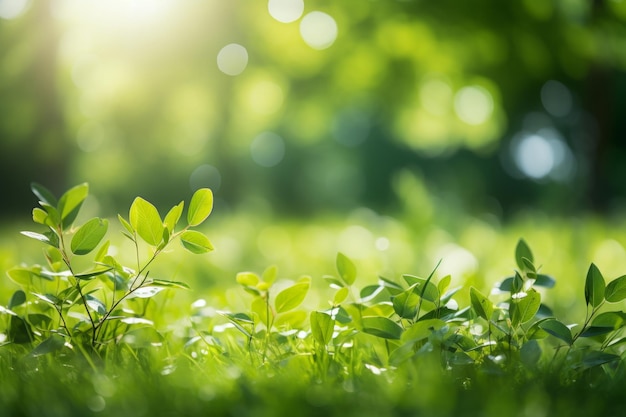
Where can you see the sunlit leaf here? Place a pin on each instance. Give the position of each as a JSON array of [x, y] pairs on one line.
[[169, 284], [347, 270], [524, 309], [421, 330], [195, 242], [291, 297], [423, 287], [341, 295], [172, 217], [322, 326], [481, 304], [247, 279], [145, 219], [382, 327], [88, 236], [405, 304], [290, 320], [200, 206], [146, 292], [71, 202]]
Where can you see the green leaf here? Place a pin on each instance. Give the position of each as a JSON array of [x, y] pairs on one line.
[[195, 242], [423, 287], [347, 270], [523, 309], [340, 296], [322, 327], [39, 215], [421, 330], [43, 194], [71, 202], [145, 219], [95, 304], [523, 251], [172, 217], [290, 320], [270, 274], [545, 281], [616, 290], [91, 274], [247, 279], [40, 237], [169, 284], [530, 353], [443, 284], [200, 206], [146, 292], [88, 236], [126, 225], [481, 304], [558, 330], [20, 275], [596, 358], [17, 299], [382, 327], [594, 286], [405, 303], [292, 297], [19, 330]]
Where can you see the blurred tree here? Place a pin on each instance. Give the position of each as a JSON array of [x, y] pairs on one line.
[[498, 105]]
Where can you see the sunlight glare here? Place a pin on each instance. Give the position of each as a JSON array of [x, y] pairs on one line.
[[10, 9]]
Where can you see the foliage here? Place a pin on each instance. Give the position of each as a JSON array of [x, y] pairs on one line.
[[388, 337], [59, 306]]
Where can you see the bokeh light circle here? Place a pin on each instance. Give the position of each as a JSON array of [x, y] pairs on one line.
[[318, 30], [473, 105], [267, 149], [232, 59], [11, 9], [285, 11]]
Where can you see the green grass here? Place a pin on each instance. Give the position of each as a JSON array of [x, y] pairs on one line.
[[268, 342]]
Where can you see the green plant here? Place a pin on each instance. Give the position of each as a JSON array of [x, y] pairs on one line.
[[91, 307]]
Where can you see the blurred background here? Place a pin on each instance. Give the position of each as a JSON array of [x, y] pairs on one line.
[[429, 123]]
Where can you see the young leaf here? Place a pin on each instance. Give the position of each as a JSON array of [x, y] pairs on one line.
[[558, 330], [39, 215], [594, 286], [71, 202], [96, 305], [423, 287], [347, 270], [340, 296], [443, 284], [88, 236], [20, 275], [291, 297], [195, 242], [322, 326], [616, 290], [43, 194], [200, 206], [290, 320], [481, 304], [524, 309], [145, 219], [269, 275], [523, 251], [382, 327], [421, 330], [172, 217], [169, 284], [247, 279], [405, 303], [126, 225]]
